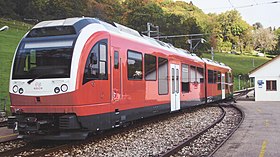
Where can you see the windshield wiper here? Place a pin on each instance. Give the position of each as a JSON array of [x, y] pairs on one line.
[[56, 72], [37, 77]]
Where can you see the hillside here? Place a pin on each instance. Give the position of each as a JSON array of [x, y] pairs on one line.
[[240, 64], [8, 43]]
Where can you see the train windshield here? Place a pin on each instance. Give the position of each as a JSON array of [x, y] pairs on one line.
[[43, 59]]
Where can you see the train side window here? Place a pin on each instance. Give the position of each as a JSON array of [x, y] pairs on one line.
[[134, 65], [150, 67], [210, 76], [227, 78], [185, 78], [215, 77], [103, 61], [96, 64], [162, 76], [193, 74], [116, 60], [219, 80], [200, 75]]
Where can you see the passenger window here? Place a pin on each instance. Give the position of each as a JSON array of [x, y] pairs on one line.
[[150, 68], [193, 74], [219, 81], [210, 76], [134, 65], [215, 76], [96, 64], [200, 75], [116, 60], [162, 76], [185, 78]]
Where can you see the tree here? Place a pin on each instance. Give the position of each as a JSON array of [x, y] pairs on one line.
[[264, 39]]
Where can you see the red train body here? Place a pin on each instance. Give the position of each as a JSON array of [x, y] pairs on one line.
[[80, 75]]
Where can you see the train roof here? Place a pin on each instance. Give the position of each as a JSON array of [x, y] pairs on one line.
[[80, 22], [215, 63]]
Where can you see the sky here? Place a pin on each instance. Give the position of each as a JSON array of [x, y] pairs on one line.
[[264, 11]]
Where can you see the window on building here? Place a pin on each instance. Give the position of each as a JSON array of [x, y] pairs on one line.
[[185, 78], [219, 80], [150, 67], [134, 65], [162, 76], [116, 60], [271, 85], [200, 75], [210, 76], [96, 65], [193, 74]]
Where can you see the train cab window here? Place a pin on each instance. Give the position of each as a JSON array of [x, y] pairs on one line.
[[185, 78], [200, 75], [210, 76], [193, 74], [96, 65], [219, 80], [150, 67], [116, 60], [134, 65], [162, 76]]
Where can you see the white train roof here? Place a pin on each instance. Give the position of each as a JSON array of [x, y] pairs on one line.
[[215, 63], [80, 22]]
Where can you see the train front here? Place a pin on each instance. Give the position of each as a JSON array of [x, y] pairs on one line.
[[41, 88]]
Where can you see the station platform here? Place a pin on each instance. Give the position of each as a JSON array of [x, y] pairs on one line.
[[259, 133], [7, 134]]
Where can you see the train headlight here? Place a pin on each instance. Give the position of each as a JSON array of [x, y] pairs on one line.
[[20, 91], [15, 88], [64, 88], [56, 90]]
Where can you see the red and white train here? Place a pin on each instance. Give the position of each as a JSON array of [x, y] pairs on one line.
[[75, 76]]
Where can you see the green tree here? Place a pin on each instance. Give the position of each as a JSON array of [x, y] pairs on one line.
[[264, 40]]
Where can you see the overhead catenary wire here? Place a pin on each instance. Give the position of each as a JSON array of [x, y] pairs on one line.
[[244, 6]]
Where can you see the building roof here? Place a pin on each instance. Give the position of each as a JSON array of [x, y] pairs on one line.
[[266, 63]]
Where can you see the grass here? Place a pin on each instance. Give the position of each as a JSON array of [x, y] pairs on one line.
[[9, 40], [240, 64]]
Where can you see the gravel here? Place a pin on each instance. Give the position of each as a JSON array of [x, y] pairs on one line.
[[5, 146], [150, 139], [208, 142]]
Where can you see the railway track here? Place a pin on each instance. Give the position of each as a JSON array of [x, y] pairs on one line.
[[3, 123], [151, 137], [205, 143]]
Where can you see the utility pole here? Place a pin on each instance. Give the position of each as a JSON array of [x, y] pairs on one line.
[[212, 53]]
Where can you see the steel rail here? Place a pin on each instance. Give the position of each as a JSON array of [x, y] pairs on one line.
[[187, 141], [241, 121]]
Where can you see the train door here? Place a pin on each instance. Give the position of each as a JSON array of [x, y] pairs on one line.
[[116, 86], [175, 86], [116, 91], [223, 87]]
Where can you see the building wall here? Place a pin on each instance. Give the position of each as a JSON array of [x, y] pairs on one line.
[[260, 91]]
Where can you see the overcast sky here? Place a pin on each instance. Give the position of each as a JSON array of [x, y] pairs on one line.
[[264, 11]]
